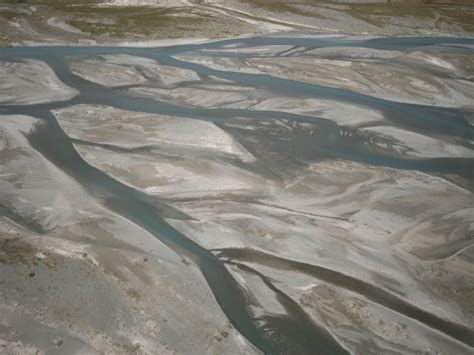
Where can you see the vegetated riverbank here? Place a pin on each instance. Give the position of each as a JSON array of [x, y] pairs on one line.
[[96, 21]]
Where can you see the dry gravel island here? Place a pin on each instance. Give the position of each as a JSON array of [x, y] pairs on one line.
[[236, 177]]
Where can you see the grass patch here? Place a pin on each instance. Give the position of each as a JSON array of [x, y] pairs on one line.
[[125, 21], [394, 10], [59, 4], [5, 41], [283, 6], [9, 15], [374, 14], [92, 17], [14, 2], [380, 14], [462, 17]]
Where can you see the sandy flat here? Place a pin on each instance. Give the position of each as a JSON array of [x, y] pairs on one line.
[[30, 81]]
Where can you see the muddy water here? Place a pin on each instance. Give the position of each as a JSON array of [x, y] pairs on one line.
[[295, 332]]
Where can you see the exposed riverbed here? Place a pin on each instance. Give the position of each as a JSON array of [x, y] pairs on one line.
[[301, 193]]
